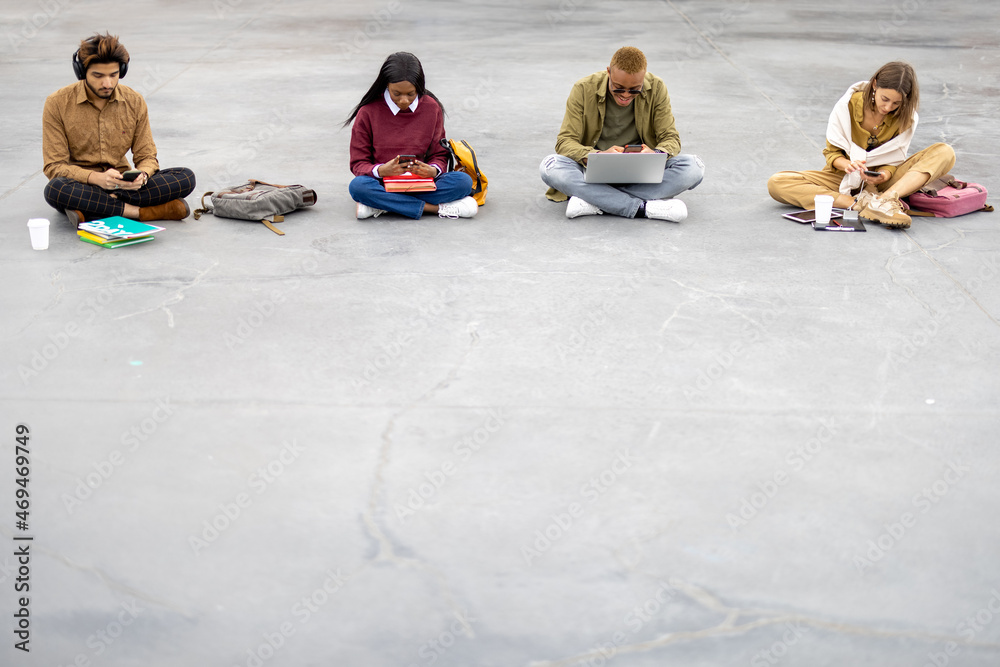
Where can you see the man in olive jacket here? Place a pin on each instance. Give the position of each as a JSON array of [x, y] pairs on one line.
[[623, 105]]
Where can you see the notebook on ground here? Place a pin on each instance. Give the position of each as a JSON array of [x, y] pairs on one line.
[[625, 167], [118, 227]]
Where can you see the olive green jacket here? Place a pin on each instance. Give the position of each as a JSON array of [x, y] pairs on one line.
[[584, 119]]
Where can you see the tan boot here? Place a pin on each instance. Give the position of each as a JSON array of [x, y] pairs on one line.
[[177, 209], [885, 209], [75, 217]]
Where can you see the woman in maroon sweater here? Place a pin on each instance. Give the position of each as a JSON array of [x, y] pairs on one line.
[[397, 117]]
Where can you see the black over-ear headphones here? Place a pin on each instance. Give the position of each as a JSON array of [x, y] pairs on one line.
[[81, 71]]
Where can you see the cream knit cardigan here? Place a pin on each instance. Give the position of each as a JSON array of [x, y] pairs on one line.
[[838, 133]]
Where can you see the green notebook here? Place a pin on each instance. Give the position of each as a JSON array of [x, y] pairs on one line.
[[107, 243]]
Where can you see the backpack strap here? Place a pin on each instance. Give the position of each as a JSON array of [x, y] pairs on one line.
[[276, 218], [204, 208], [451, 154], [924, 214]]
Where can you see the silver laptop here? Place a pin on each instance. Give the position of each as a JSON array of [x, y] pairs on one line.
[[625, 167]]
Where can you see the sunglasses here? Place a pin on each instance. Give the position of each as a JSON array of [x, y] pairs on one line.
[[626, 91]]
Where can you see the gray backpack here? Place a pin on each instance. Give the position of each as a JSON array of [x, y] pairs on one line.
[[258, 201]]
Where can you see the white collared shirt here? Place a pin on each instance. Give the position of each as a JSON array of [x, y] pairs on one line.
[[392, 105]]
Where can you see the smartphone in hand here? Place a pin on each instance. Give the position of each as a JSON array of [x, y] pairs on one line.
[[407, 160], [633, 148], [131, 175], [872, 173]]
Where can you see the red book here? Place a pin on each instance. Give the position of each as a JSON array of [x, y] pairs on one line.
[[409, 183]]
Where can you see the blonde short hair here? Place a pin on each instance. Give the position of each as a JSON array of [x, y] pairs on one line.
[[629, 60]]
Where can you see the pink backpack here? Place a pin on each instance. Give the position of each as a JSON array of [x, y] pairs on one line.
[[947, 198]]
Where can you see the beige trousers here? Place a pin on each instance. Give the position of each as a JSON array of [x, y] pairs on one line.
[[798, 188]]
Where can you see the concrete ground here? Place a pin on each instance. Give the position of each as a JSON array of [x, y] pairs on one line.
[[515, 440]]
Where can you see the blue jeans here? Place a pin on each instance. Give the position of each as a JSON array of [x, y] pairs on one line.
[[682, 172], [368, 190]]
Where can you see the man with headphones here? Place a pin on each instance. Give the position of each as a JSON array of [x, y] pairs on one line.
[[88, 127]]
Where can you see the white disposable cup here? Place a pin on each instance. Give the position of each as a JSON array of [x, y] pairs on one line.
[[39, 229], [824, 206]]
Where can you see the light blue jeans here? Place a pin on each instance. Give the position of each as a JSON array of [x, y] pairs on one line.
[[682, 172]]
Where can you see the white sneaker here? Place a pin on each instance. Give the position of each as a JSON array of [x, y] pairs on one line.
[[577, 207], [460, 208], [673, 210], [368, 212]]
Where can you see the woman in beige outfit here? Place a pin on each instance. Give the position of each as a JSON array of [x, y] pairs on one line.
[[870, 130]]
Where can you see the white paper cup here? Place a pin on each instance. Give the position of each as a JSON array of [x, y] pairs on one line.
[[824, 206], [39, 229]]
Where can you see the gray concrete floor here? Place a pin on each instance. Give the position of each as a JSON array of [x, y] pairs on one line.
[[516, 440]]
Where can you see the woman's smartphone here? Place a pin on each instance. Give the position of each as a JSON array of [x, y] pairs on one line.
[[632, 148], [407, 160], [872, 173], [131, 175]]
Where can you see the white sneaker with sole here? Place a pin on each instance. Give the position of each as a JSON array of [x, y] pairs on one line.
[[460, 208], [672, 210], [577, 207], [368, 212]]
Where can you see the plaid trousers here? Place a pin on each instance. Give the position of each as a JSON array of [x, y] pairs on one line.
[[94, 202]]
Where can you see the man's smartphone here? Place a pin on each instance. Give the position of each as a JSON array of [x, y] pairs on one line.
[[131, 175], [632, 148], [407, 160], [872, 173]]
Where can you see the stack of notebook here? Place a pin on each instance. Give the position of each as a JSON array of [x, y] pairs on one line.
[[409, 183], [116, 231]]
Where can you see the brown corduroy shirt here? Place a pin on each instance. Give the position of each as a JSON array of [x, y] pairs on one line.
[[78, 138]]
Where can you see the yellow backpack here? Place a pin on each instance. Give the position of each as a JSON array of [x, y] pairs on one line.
[[462, 157]]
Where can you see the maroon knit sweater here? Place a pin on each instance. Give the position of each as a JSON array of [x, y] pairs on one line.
[[377, 136]]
